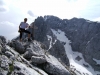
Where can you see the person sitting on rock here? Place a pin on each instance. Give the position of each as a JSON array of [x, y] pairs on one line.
[[22, 28]]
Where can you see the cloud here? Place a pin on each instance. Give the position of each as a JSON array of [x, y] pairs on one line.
[[3, 9], [7, 23], [30, 13], [91, 10], [97, 19], [1, 2], [12, 35], [3, 6], [5, 2], [7, 29]]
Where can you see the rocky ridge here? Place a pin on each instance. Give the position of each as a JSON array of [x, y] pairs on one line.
[[28, 58]]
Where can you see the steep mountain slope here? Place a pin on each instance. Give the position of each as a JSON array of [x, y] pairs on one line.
[[28, 58], [83, 35]]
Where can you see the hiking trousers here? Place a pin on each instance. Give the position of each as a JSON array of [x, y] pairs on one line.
[[23, 30]]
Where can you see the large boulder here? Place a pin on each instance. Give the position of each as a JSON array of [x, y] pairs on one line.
[[18, 46], [38, 59], [34, 49], [54, 67], [3, 39], [29, 53]]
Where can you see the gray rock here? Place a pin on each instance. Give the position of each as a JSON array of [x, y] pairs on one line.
[[78, 58], [4, 62], [23, 69], [37, 49], [38, 59], [58, 51], [3, 72], [0, 49], [34, 50], [86, 65], [18, 46], [29, 53], [9, 54], [3, 39], [53, 66], [1, 42]]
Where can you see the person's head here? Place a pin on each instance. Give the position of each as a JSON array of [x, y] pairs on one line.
[[25, 19]]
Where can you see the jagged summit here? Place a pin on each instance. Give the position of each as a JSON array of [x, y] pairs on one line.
[[84, 36]]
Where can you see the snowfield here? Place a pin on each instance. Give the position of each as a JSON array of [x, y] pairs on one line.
[[75, 65]]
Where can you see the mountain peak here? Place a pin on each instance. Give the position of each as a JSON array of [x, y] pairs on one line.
[[83, 35]]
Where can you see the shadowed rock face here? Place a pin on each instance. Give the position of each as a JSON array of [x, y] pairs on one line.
[[84, 36], [41, 34]]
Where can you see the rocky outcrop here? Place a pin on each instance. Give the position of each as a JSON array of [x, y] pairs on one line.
[[83, 34], [17, 46], [53, 46], [54, 67], [37, 59], [32, 60]]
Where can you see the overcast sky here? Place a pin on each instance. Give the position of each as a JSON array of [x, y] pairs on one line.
[[12, 12]]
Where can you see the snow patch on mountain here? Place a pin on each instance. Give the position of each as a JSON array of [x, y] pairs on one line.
[[76, 59], [50, 39], [51, 42], [97, 61]]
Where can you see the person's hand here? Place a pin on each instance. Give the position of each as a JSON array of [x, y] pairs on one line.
[[30, 27], [19, 30]]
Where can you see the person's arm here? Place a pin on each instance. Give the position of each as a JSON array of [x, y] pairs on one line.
[[20, 25], [27, 26]]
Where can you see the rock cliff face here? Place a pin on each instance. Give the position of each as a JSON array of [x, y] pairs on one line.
[[83, 34], [28, 58]]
